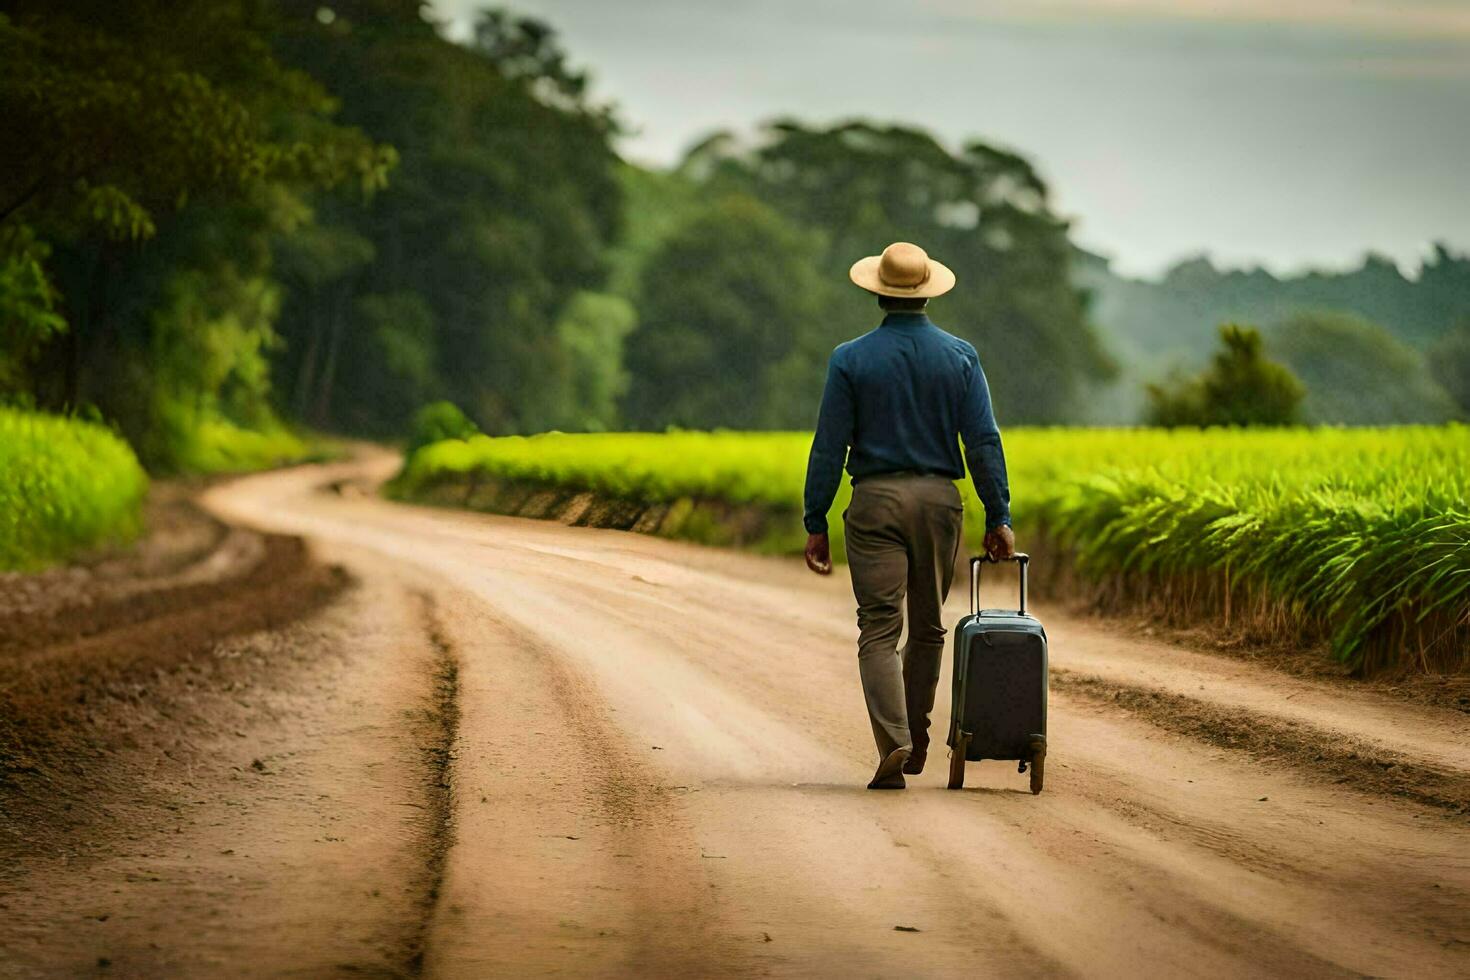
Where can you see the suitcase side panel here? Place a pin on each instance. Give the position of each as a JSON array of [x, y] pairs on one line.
[[999, 692]]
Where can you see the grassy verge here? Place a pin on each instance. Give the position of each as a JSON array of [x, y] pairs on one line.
[[1361, 536], [217, 446], [66, 486]]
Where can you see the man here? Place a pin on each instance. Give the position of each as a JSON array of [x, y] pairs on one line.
[[896, 403]]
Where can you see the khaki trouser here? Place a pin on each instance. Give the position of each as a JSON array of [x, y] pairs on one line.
[[903, 535]]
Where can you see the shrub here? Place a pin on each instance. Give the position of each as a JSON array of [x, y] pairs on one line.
[[66, 486], [1240, 387], [438, 421]]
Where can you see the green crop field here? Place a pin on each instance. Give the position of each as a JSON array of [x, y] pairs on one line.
[[1359, 536], [65, 486]]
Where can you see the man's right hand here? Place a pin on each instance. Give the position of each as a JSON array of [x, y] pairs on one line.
[[1000, 543], [819, 554]]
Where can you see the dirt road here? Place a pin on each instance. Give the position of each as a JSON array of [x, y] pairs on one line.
[[523, 749]]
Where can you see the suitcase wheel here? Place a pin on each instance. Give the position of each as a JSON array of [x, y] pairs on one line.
[[1038, 764], [957, 762]]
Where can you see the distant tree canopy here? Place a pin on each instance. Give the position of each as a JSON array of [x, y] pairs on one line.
[[729, 305], [1240, 387], [216, 215], [982, 211], [499, 216], [1177, 313], [1357, 373], [1449, 362]]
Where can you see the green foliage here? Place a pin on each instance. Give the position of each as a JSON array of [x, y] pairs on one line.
[[728, 307], [1240, 387], [1449, 362], [215, 445], [172, 122], [118, 111], [437, 422], [28, 307], [1357, 373], [591, 333], [656, 203], [1150, 322], [1365, 535], [66, 486], [983, 211], [497, 218]]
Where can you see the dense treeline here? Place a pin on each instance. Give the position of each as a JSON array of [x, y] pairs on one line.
[[222, 214], [216, 216], [152, 152], [219, 211], [802, 204], [1371, 344], [465, 277]]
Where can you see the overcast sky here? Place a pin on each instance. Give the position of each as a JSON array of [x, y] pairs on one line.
[[1288, 132]]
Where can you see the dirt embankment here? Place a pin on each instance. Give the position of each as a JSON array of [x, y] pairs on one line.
[[1204, 612], [111, 656], [1319, 753], [704, 520], [221, 756]]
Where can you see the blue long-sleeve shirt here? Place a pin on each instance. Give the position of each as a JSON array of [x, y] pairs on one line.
[[900, 397]]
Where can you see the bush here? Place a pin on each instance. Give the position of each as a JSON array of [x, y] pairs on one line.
[[218, 446], [1240, 387], [66, 486], [438, 421]]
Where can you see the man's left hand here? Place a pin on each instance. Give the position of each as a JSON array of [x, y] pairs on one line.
[[1000, 543], [819, 554]]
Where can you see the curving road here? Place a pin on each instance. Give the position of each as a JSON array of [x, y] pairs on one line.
[[656, 768]]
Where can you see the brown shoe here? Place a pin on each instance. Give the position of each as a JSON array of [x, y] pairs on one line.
[[915, 765], [890, 771]]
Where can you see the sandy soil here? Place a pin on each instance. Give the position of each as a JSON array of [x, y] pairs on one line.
[[513, 748]]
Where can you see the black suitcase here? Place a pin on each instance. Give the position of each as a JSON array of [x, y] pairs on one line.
[[998, 709]]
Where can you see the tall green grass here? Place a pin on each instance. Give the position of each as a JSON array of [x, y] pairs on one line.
[[218, 446], [1359, 536], [65, 486]]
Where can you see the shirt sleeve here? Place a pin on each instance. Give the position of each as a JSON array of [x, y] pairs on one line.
[[829, 448], [983, 451]]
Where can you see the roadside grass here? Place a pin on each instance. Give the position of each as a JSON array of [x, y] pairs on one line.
[[1357, 536], [66, 486], [217, 446]]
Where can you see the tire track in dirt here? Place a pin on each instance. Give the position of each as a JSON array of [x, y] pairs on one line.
[[280, 808], [1321, 754], [71, 693], [631, 848], [581, 656], [442, 718]]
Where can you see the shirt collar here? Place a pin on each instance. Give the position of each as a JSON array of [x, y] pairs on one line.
[[905, 318]]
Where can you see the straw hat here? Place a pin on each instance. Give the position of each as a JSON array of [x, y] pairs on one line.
[[902, 270]]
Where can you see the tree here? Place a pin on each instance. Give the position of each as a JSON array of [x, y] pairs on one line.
[[1357, 373], [29, 308], [730, 328], [983, 211], [438, 421], [1240, 387], [1449, 362], [1150, 322], [499, 216], [161, 121], [592, 332]]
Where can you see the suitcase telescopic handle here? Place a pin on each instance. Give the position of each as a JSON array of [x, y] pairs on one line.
[[1021, 559]]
